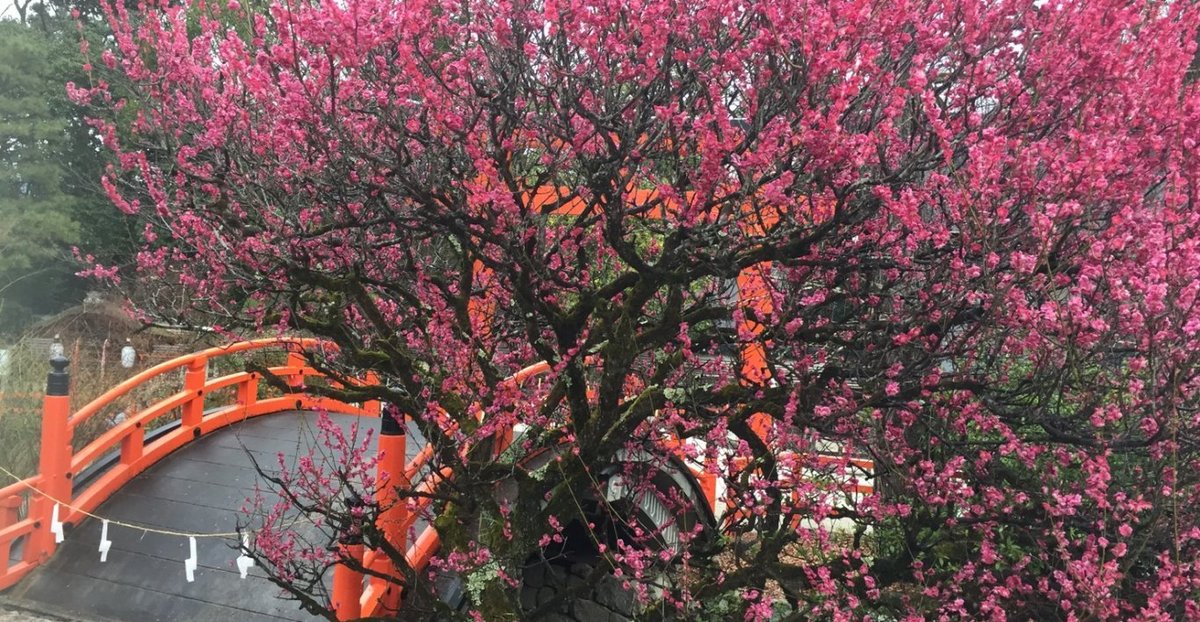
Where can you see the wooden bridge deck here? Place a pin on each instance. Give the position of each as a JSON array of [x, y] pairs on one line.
[[199, 488]]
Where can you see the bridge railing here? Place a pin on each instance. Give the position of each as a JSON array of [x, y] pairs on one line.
[[79, 481]]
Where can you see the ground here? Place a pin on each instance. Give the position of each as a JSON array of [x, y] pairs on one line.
[[19, 615]]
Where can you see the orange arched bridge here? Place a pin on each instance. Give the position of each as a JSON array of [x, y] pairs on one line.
[[108, 529], [150, 490]]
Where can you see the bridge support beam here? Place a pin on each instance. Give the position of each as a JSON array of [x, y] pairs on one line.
[[347, 581], [54, 461], [193, 382], [10, 510], [383, 597], [296, 361]]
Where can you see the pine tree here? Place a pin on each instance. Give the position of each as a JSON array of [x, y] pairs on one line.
[[50, 165], [37, 224]]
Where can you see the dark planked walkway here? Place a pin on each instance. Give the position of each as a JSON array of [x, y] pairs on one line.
[[199, 488]]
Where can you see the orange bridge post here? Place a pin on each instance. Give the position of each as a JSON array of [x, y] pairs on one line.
[[383, 597], [348, 581], [54, 461], [193, 382]]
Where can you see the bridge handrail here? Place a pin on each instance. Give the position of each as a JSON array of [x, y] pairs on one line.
[[187, 360]]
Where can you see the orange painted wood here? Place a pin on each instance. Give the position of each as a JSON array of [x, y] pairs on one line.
[[9, 533], [54, 464], [348, 584]]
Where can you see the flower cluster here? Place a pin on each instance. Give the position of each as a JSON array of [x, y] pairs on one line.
[[909, 288]]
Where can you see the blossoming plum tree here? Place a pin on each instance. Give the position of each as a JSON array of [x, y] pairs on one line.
[[973, 227]]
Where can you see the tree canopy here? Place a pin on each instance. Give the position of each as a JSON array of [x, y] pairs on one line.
[[966, 235], [36, 223], [50, 164]]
